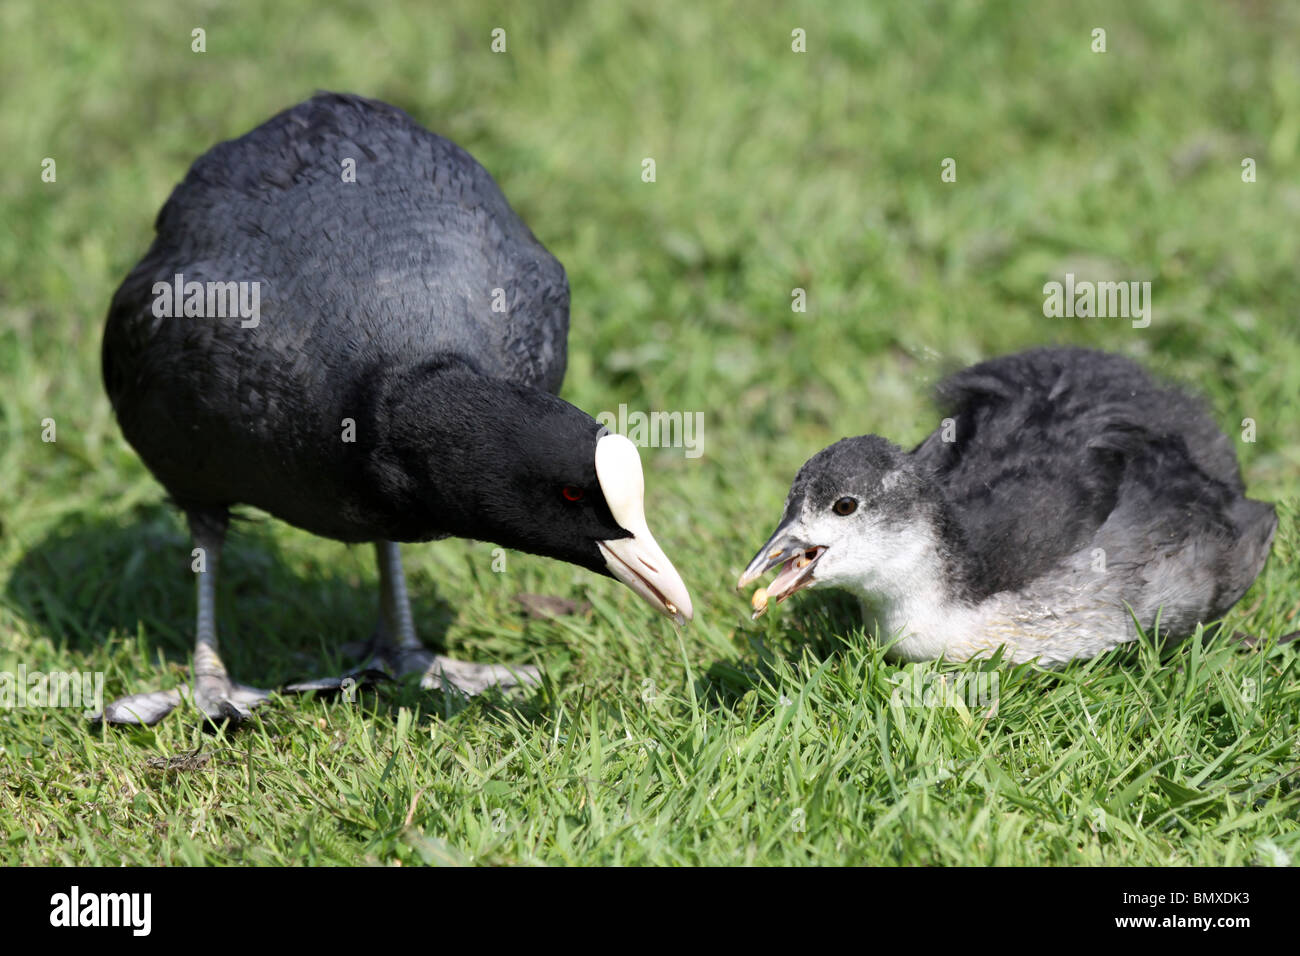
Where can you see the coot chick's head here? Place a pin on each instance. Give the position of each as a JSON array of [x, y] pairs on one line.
[[861, 516]]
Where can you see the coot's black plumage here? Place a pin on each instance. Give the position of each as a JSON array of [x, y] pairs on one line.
[[1066, 493], [396, 384]]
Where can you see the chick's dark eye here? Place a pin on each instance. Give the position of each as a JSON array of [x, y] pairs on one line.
[[845, 506], [572, 493]]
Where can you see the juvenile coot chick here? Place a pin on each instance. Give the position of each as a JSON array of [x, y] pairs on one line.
[[388, 375], [1067, 494]]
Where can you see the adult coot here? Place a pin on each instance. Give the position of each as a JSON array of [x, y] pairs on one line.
[[1066, 495], [341, 321]]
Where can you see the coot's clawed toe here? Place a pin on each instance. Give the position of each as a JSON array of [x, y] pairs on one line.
[[470, 678], [147, 708], [436, 672], [344, 683], [439, 672], [228, 703]]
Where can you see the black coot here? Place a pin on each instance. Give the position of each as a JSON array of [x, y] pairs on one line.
[[341, 321]]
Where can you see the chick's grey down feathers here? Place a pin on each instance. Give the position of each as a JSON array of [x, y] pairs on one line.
[[1058, 451]]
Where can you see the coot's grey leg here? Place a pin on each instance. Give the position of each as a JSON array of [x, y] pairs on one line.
[[395, 631], [396, 649], [214, 693]]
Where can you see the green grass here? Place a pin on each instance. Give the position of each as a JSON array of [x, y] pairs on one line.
[[786, 741]]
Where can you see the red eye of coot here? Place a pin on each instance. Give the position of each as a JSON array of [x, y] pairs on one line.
[[573, 493]]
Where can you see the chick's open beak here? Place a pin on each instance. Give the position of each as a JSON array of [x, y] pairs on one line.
[[796, 557]]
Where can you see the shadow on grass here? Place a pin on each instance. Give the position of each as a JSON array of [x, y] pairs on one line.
[[90, 581]]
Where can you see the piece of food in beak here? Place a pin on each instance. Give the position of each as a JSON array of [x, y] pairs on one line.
[[759, 602], [796, 574], [797, 559]]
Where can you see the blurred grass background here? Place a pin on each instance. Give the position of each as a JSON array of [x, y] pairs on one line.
[[775, 170]]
